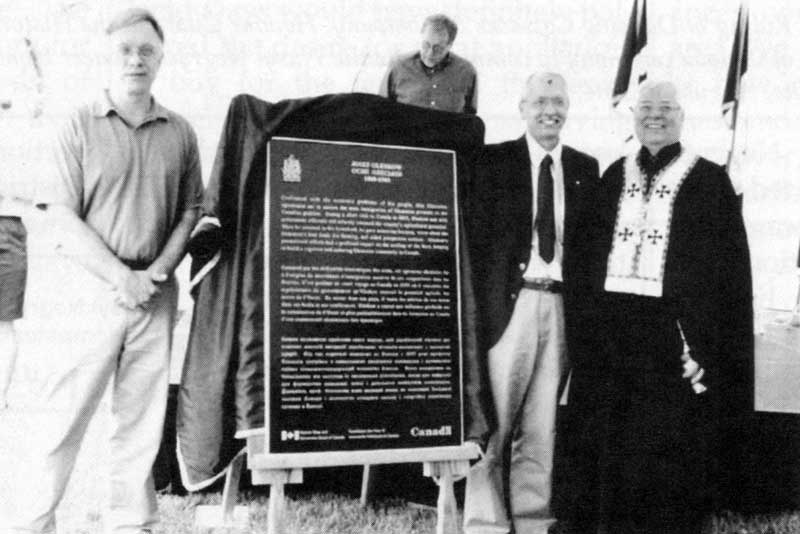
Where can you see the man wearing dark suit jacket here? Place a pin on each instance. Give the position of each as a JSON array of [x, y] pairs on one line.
[[527, 217]]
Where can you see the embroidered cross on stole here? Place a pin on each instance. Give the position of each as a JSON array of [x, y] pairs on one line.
[[641, 232]]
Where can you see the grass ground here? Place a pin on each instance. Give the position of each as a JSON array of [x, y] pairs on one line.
[[327, 513], [334, 514]]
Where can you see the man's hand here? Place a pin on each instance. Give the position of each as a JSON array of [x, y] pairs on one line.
[[693, 372], [156, 275], [137, 288]]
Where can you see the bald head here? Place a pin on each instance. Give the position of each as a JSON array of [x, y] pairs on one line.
[[658, 116], [663, 88], [540, 80], [543, 106]]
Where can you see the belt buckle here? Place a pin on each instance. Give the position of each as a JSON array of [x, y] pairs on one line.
[[544, 284]]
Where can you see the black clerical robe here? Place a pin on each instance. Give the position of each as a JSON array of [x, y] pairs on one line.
[[643, 449]]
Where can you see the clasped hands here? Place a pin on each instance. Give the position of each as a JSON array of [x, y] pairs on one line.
[[137, 288]]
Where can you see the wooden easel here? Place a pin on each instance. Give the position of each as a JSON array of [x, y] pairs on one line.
[[444, 464]]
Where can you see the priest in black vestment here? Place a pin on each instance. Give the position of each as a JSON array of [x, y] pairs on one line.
[[654, 404]]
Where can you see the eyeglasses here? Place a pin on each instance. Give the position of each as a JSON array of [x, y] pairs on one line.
[[647, 109], [543, 102], [144, 51], [436, 49]]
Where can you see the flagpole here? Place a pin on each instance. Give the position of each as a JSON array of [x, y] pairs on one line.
[[743, 30], [629, 71]]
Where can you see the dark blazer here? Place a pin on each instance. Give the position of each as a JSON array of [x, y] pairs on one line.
[[500, 224]]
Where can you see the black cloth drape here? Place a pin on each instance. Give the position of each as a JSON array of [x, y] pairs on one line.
[[222, 387]]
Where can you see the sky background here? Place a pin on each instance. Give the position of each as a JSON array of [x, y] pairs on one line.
[[295, 48]]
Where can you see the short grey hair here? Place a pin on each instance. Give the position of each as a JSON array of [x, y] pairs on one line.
[[131, 16], [440, 22]]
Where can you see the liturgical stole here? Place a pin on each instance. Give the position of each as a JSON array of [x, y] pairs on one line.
[[641, 232]]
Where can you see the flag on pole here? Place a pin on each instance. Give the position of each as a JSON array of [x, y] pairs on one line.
[[736, 70], [630, 64], [732, 100]]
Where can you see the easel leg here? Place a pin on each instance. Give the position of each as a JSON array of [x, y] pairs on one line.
[[444, 474], [277, 504], [276, 479], [367, 485], [226, 515], [446, 511]]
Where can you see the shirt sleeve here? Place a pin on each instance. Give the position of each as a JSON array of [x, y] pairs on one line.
[[386, 90], [191, 181], [471, 104], [62, 179]]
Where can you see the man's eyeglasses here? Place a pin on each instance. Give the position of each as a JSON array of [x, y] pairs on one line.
[[436, 49], [647, 109], [144, 51], [542, 102]]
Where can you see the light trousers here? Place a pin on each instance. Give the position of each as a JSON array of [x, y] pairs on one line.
[[525, 367], [103, 342]]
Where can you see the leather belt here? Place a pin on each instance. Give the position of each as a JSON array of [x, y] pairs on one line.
[[136, 265], [543, 284]]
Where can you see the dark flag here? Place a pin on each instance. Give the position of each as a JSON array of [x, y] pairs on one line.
[[635, 41], [732, 99], [736, 69]]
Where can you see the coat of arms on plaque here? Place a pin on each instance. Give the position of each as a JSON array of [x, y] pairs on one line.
[[291, 169]]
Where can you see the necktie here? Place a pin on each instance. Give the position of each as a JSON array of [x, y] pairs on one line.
[[545, 218]]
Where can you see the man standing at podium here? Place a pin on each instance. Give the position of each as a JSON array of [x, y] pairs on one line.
[[433, 77], [526, 229]]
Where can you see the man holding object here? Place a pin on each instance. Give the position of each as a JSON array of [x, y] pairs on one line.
[[652, 441]]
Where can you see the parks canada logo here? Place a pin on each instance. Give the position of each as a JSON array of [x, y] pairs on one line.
[[291, 169], [444, 430]]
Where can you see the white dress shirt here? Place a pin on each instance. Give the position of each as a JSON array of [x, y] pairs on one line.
[[536, 267]]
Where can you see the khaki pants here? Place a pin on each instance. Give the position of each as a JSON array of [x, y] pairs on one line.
[[525, 367], [103, 342]]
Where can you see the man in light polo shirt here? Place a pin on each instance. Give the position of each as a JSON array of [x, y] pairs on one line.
[[123, 199]]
